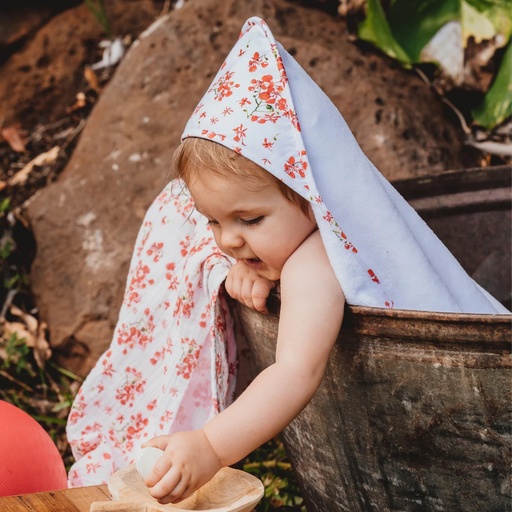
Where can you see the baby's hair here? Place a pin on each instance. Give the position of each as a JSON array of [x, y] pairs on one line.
[[195, 155]]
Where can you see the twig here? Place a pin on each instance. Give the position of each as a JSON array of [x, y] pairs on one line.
[[43, 128], [166, 8], [492, 147], [65, 372], [8, 301], [16, 381], [268, 464], [79, 127], [465, 128]]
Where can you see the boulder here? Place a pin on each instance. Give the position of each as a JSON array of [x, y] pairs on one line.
[[86, 223]]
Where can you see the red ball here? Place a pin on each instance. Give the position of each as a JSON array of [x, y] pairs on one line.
[[29, 459]]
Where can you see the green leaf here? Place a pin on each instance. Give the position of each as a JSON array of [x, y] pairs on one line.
[[476, 24], [496, 105], [497, 12], [97, 8], [415, 22], [411, 24], [5, 205], [375, 29]]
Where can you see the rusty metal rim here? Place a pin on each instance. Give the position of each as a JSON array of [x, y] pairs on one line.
[[430, 326], [445, 330], [455, 181], [431, 315]]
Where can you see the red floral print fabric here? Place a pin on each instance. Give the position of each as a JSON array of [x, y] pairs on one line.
[[171, 362]]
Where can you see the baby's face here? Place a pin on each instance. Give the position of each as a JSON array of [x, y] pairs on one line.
[[259, 227]]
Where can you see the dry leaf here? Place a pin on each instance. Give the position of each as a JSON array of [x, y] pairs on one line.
[[91, 78], [21, 332], [447, 50], [30, 321], [353, 7], [33, 332], [43, 159], [14, 136], [42, 350]]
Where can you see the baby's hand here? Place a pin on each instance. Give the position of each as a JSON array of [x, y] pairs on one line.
[[188, 463], [246, 286]]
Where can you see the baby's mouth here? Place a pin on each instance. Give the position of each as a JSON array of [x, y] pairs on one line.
[[253, 262]]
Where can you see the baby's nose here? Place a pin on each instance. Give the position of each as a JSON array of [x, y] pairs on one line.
[[231, 239]]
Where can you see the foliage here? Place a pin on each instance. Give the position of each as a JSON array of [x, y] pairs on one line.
[[44, 393], [29, 379], [13, 272], [408, 28], [497, 103], [270, 464], [97, 8], [375, 29]]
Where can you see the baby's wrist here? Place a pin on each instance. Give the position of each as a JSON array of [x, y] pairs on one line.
[[214, 451]]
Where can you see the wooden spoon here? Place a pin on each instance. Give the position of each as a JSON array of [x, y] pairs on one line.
[[230, 490]]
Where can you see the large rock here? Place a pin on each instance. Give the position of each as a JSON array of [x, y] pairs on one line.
[[85, 224]]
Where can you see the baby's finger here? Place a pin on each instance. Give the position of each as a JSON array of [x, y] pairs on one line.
[[246, 294], [158, 442], [164, 488], [233, 287], [179, 493], [260, 292]]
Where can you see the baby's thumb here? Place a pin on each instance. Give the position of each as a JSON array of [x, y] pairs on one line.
[[157, 442]]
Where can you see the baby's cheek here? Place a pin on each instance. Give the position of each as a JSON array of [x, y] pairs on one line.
[[219, 244]]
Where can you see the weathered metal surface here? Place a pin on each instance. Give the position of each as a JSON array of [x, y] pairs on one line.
[[415, 410], [413, 414], [470, 211]]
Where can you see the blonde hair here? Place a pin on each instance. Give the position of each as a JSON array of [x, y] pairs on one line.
[[195, 155]]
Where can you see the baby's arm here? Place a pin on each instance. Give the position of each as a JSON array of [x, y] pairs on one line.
[[312, 305], [246, 286], [311, 314]]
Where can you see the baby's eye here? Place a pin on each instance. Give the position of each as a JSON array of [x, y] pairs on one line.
[[252, 222], [213, 222]]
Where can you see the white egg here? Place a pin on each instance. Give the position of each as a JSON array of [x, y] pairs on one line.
[[146, 459]]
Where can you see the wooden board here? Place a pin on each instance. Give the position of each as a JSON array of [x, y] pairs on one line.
[[230, 490], [68, 500]]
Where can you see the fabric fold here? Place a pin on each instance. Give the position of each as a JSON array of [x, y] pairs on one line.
[[171, 364]]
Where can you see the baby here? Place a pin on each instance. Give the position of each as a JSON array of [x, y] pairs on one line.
[[270, 230], [289, 197]]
